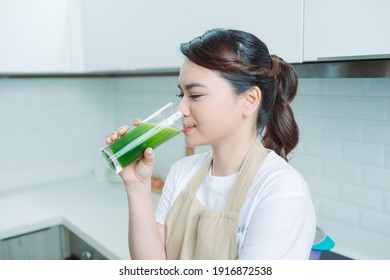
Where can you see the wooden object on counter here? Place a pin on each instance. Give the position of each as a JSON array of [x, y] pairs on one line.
[[157, 184], [189, 151]]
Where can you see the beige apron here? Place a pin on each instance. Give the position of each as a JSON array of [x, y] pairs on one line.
[[193, 232]]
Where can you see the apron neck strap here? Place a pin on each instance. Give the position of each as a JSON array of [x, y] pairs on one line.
[[198, 179], [251, 164]]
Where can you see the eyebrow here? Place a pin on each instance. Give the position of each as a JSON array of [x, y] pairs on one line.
[[192, 85]]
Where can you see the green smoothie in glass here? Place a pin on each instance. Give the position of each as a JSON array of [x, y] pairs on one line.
[[152, 132]]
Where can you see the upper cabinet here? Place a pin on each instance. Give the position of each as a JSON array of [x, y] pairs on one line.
[[35, 36], [133, 35], [105, 28], [277, 23], [159, 29], [44, 36], [348, 29]]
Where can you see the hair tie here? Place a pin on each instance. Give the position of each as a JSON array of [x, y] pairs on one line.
[[275, 66]]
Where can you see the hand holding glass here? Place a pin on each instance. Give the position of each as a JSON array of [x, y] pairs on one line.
[[150, 132]]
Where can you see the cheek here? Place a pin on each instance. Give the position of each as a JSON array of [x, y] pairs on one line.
[[222, 116]]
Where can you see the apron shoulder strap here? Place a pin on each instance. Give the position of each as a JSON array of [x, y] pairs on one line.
[[197, 180], [250, 166]]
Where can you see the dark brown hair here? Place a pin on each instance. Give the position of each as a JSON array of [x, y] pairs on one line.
[[244, 60]]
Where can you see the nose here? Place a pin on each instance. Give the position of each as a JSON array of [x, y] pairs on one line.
[[184, 108]]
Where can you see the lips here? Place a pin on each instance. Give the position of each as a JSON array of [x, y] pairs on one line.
[[188, 127]]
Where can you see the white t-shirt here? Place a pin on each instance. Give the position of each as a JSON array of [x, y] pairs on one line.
[[277, 218]]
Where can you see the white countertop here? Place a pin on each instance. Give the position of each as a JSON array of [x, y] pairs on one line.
[[94, 209]]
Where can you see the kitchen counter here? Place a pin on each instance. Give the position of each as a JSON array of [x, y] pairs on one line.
[[93, 209]]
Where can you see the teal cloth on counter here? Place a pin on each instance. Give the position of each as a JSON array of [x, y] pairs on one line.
[[324, 245]]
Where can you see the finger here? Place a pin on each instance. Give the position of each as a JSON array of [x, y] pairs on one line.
[[108, 140], [136, 122], [114, 136], [149, 155], [122, 130]]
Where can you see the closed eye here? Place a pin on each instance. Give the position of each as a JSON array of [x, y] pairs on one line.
[[192, 96], [195, 96]]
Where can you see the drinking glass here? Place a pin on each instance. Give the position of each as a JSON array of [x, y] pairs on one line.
[[153, 131]]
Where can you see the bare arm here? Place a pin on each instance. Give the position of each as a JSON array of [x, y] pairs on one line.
[[146, 237]]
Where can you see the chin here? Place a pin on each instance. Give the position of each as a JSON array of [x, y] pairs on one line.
[[192, 143]]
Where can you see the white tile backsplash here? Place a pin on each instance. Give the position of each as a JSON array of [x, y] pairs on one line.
[[342, 127], [387, 157], [324, 105], [344, 148], [325, 188], [343, 171], [325, 147], [376, 132], [313, 124], [56, 121], [351, 145], [344, 87], [53, 122], [309, 164], [386, 202], [339, 212], [367, 108], [361, 196], [375, 222], [364, 153], [377, 176], [378, 87]]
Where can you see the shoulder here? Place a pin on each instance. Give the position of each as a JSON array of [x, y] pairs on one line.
[[277, 177]]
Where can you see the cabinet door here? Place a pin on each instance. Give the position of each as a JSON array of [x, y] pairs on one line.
[[277, 23], [45, 244], [159, 29], [346, 29], [34, 36], [106, 32]]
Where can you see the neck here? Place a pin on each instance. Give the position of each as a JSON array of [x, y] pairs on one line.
[[229, 155]]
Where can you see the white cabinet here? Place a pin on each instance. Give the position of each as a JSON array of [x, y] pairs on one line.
[[277, 23], [133, 34], [346, 29], [35, 36], [44, 36], [159, 29], [106, 28]]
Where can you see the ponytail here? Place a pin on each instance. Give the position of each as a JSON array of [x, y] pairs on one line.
[[281, 134]]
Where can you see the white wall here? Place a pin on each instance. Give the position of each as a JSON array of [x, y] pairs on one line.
[[344, 152], [54, 128]]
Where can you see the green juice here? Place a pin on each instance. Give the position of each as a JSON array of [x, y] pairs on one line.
[[131, 146]]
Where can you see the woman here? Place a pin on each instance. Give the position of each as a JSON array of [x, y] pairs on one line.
[[242, 200]]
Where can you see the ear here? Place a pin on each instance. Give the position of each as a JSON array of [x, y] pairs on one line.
[[252, 98]]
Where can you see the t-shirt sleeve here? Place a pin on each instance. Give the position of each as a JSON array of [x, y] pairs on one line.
[[164, 203], [283, 228]]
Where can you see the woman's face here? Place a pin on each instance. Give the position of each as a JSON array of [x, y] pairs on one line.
[[211, 109]]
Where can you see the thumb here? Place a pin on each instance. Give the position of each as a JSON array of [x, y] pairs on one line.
[[144, 167], [149, 156]]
